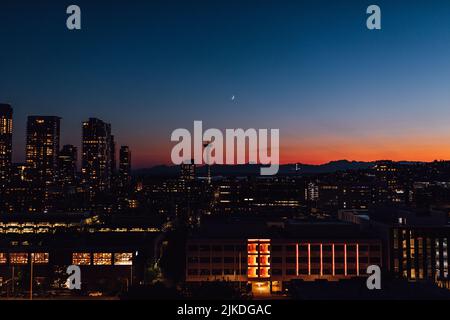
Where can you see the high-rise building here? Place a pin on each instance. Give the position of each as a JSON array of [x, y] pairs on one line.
[[67, 162], [43, 135], [125, 166], [113, 156], [312, 191], [188, 171], [96, 164], [6, 113]]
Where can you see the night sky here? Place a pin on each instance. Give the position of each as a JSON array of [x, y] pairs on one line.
[[310, 68]]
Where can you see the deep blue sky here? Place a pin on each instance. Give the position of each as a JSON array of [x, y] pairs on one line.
[[311, 68]]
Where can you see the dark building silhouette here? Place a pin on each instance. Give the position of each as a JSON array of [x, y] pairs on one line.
[[6, 114], [43, 136], [97, 159], [113, 156], [67, 162], [125, 166]]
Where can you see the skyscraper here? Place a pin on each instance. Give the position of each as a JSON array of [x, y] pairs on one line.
[[67, 162], [96, 166], [43, 135], [113, 156], [6, 113], [125, 166], [188, 171]]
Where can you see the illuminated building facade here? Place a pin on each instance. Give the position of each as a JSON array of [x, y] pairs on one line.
[[312, 192], [291, 253], [188, 171], [43, 136], [416, 241], [114, 265], [113, 252], [6, 127], [421, 253], [97, 160]]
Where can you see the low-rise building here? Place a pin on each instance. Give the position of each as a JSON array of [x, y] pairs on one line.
[[268, 255]]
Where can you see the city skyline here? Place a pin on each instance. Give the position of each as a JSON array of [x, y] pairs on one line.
[[79, 163], [311, 69], [249, 151]]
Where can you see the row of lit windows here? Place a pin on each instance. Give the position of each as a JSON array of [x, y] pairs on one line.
[[37, 229], [261, 248], [33, 224], [254, 260], [23, 258], [102, 259], [77, 258], [261, 272]]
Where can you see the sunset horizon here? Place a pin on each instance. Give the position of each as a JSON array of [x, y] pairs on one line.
[[333, 88]]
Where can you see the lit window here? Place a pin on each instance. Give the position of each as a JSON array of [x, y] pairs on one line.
[[102, 259], [252, 248], [40, 258], [264, 260], [3, 258], [81, 259], [123, 259], [264, 248], [264, 272], [253, 272], [252, 260], [18, 258]]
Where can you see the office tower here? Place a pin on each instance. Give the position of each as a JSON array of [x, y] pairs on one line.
[[6, 113], [188, 171], [67, 163], [96, 155], [113, 156], [312, 191], [125, 166], [43, 134]]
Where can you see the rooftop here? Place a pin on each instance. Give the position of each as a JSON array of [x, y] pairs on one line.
[[231, 227]]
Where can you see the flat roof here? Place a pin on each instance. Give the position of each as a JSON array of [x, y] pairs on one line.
[[269, 228]]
